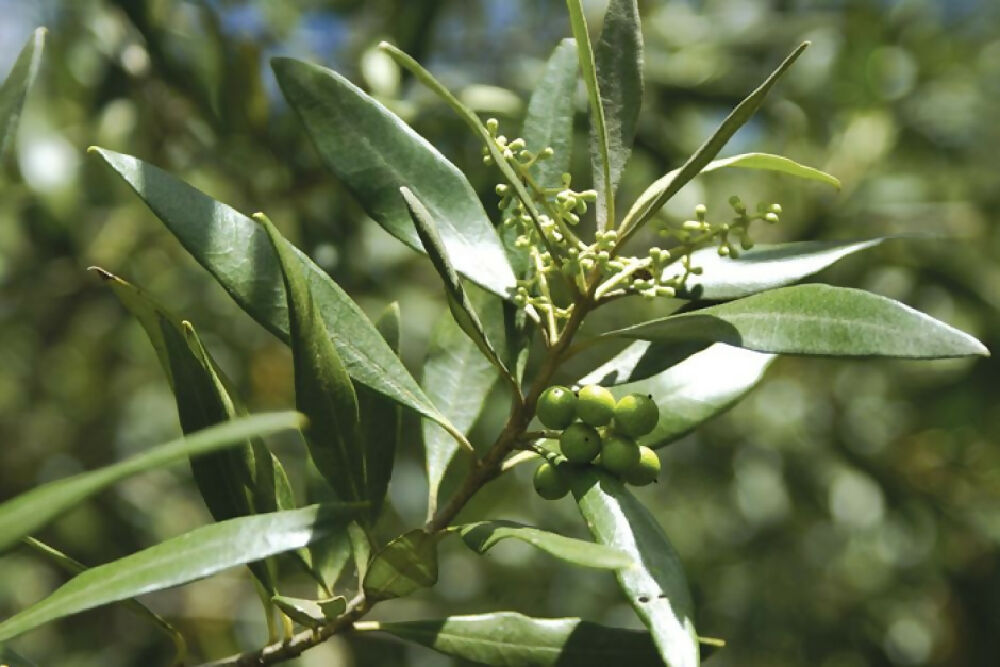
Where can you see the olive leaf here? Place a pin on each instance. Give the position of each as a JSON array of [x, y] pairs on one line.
[[15, 87]]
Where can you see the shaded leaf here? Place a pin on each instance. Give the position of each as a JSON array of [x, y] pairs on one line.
[[459, 378], [548, 123], [655, 586], [639, 360], [403, 566], [761, 268], [236, 251], [15, 87], [310, 613], [618, 59], [600, 157], [323, 389], [381, 422], [657, 194], [179, 560], [482, 535], [73, 567], [30, 511], [701, 386], [375, 153], [459, 303], [506, 639], [817, 320]]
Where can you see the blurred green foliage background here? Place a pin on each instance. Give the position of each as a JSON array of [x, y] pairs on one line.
[[846, 514]]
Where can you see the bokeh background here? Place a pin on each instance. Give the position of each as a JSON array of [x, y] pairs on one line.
[[846, 514]]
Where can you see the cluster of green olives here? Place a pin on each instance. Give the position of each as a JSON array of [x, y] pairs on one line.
[[597, 429]]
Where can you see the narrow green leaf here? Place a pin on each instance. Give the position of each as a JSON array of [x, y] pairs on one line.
[[601, 158], [235, 482], [618, 60], [381, 422], [482, 535], [179, 560], [236, 251], [688, 392], [761, 268], [508, 638], [323, 389], [375, 153], [816, 320], [657, 194], [548, 123], [459, 378], [770, 162], [549, 120], [30, 511], [15, 87], [458, 301], [73, 567], [403, 566], [655, 586]]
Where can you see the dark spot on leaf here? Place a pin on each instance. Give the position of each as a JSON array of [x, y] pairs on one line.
[[643, 598]]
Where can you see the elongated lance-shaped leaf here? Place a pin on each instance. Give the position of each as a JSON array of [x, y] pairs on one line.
[[27, 513], [770, 162], [601, 158], [760, 268], [323, 389], [481, 536], [458, 301], [618, 60], [507, 638], [457, 377], [15, 87], [183, 559], [406, 564], [699, 386], [472, 120], [381, 422], [225, 478], [237, 482], [374, 153], [73, 567], [657, 194], [236, 251], [815, 320], [655, 586], [548, 123]]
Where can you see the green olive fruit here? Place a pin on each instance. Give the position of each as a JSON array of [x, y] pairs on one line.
[[636, 415], [556, 407], [580, 443], [646, 470], [595, 405], [549, 482], [619, 453]]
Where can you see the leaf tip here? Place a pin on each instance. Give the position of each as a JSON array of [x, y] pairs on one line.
[[103, 274]]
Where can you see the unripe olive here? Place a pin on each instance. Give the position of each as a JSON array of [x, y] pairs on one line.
[[619, 453], [556, 407], [549, 482], [646, 470], [636, 415], [580, 443], [595, 405]]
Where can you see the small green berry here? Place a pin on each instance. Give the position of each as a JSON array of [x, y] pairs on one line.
[[619, 453], [580, 443], [595, 405], [556, 407], [646, 470], [549, 482], [636, 415]]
